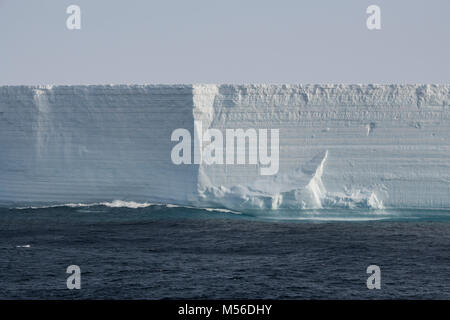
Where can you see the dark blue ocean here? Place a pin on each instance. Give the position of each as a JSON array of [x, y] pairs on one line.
[[161, 252]]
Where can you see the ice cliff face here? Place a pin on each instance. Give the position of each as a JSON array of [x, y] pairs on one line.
[[346, 146]]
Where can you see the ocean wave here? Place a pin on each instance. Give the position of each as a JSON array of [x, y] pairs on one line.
[[112, 204], [338, 214], [123, 204]]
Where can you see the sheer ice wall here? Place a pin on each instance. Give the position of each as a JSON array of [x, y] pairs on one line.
[[340, 145], [90, 143]]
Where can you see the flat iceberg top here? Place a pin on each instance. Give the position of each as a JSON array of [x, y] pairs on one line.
[[311, 94]]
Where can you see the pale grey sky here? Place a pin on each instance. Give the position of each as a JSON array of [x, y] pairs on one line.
[[228, 41]]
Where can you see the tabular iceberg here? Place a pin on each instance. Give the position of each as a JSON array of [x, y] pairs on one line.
[[351, 146]]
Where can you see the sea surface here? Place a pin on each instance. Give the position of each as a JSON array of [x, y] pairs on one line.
[[169, 252]]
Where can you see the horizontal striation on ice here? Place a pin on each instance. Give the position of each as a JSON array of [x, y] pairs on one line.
[[351, 146]]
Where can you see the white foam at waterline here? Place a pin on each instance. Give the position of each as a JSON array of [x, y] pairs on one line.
[[329, 218], [126, 204], [173, 206], [221, 210], [112, 204]]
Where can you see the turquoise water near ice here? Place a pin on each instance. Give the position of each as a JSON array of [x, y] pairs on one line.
[[158, 252]]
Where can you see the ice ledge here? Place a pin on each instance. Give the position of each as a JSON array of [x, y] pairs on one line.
[[311, 94]]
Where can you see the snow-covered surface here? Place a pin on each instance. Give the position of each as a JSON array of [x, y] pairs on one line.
[[347, 146]]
